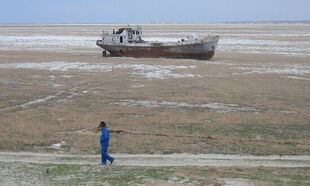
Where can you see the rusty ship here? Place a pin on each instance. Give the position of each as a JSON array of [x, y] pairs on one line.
[[128, 42]]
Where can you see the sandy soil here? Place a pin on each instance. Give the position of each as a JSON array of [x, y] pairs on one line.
[[156, 160]]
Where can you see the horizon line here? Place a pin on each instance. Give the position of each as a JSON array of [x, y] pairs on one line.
[[164, 22]]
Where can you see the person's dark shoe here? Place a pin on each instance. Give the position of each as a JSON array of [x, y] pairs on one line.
[[112, 162]]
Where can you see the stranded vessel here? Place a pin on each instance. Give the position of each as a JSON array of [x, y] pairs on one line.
[[128, 42]]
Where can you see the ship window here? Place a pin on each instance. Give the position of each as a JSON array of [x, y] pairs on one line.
[[138, 32], [134, 32]]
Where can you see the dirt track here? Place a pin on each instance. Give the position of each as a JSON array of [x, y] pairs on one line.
[[157, 160]]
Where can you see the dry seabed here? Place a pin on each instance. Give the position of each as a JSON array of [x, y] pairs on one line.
[[216, 107], [254, 90], [148, 71]]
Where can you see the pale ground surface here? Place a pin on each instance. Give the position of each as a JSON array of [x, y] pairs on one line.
[[43, 168], [159, 160], [251, 98]]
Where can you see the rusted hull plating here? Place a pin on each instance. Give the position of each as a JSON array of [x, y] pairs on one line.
[[203, 51]]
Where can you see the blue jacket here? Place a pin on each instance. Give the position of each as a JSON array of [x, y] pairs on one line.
[[105, 137]]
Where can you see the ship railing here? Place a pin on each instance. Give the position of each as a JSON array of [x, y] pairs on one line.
[[200, 40]]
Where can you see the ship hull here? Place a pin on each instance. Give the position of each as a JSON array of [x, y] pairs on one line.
[[203, 50]]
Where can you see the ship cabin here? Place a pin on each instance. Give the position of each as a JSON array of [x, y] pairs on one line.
[[123, 36]]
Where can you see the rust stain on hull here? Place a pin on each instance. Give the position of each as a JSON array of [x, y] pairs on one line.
[[183, 51], [159, 52]]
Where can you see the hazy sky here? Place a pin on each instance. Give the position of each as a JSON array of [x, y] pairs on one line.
[[141, 11]]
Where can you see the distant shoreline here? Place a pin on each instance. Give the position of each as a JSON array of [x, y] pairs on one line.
[[153, 23]]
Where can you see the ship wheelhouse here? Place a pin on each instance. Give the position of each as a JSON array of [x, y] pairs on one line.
[[124, 35]]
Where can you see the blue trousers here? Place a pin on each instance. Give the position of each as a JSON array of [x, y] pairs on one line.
[[105, 156]]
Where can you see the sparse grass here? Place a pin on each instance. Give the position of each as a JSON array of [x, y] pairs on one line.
[[112, 175], [263, 131], [19, 173], [282, 104]]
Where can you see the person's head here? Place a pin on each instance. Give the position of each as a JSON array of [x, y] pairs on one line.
[[102, 125]]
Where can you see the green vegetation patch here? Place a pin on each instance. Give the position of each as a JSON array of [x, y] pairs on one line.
[[92, 174], [65, 174]]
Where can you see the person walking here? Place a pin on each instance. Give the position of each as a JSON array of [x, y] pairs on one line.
[[104, 142]]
